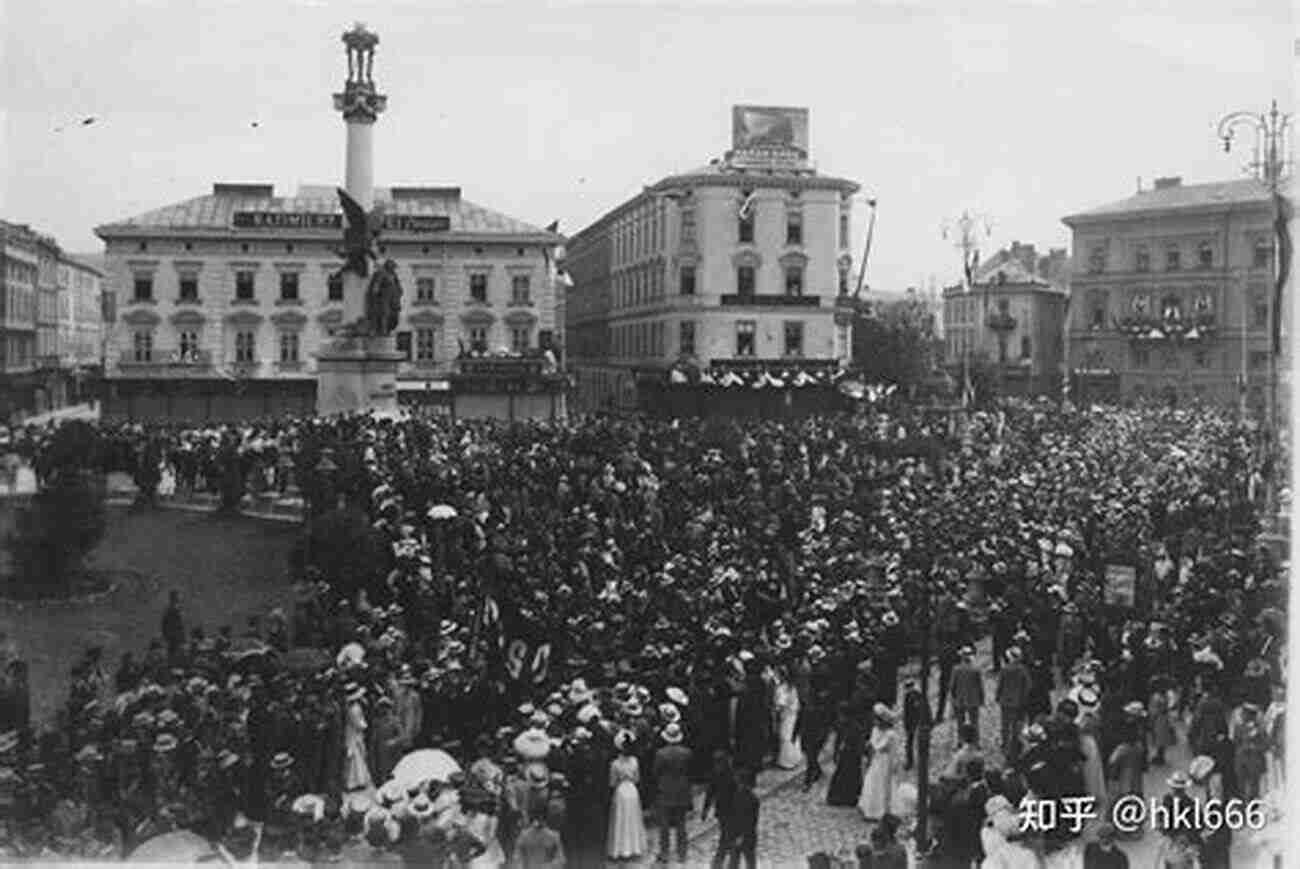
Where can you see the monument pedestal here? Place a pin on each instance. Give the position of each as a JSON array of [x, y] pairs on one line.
[[357, 374]]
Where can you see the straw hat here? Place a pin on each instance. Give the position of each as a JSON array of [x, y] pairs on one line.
[[672, 734], [282, 760], [164, 743], [677, 695], [1178, 781], [1201, 766]]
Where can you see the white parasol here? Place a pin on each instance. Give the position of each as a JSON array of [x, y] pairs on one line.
[[178, 848], [425, 765]]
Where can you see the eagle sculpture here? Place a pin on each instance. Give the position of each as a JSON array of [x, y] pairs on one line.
[[360, 231]]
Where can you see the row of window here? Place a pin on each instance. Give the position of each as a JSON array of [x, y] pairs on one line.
[[419, 344], [793, 227], [640, 235], [642, 284], [1171, 307], [1097, 257], [641, 340], [21, 272], [246, 287], [20, 304], [959, 344], [19, 350], [1141, 357]]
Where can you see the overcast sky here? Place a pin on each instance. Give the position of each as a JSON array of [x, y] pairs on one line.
[[1022, 111]]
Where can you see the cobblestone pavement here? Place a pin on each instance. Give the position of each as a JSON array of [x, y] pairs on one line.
[[794, 825]]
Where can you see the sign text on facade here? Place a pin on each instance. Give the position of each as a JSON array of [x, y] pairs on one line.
[[299, 220]]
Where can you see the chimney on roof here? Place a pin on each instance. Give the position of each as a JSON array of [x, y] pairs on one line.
[[1168, 181]]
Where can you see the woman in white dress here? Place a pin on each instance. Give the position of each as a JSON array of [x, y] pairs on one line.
[[626, 840], [1094, 771], [878, 783], [355, 770], [785, 702]]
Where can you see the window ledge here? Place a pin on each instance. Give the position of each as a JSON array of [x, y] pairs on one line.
[[189, 302], [478, 303], [244, 302], [142, 301], [295, 365], [424, 303], [283, 302], [521, 303]]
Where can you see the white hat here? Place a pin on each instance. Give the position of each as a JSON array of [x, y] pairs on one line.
[[672, 734], [677, 695]]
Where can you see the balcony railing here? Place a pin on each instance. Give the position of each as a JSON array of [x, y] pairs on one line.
[[772, 300], [167, 359]]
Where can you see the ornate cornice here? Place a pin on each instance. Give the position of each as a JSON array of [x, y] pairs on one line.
[[425, 317], [521, 318], [480, 316], [141, 317], [289, 318], [244, 318], [188, 317], [747, 257]]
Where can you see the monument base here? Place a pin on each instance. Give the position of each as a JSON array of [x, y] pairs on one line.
[[357, 374]]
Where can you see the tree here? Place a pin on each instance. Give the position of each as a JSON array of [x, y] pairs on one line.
[[345, 549], [894, 342], [65, 520]]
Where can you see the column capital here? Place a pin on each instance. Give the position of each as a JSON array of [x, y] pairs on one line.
[[360, 103]]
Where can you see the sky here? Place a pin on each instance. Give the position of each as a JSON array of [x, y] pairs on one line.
[[1022, 112]]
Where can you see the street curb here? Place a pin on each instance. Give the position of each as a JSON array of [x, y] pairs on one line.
[[284, 519]]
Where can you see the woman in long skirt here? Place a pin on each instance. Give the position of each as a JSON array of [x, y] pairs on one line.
[[356, 772], [1094, 770], [878, 784], [627, 840], [850, 739], [786, 705]]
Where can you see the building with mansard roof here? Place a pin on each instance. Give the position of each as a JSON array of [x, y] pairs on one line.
[[223, 300], [1172, 295]]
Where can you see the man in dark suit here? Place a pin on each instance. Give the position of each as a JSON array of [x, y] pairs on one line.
[[967, 689], [915, 713], [742, 829], [673, 795], [814, 725], [1013, 688]]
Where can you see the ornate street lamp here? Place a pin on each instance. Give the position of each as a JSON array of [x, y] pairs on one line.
[[1270, 165]]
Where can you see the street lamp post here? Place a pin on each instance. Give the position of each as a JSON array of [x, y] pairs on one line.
[[1271, 131], [965, 233]]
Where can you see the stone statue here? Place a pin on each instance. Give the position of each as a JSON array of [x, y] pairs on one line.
[[383, 300], [360, 233]]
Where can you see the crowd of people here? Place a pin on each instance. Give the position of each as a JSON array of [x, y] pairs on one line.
[[593, 618]]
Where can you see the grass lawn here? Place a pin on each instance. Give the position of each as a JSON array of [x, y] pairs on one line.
[[226, 569]]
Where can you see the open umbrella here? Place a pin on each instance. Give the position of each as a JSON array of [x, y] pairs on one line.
[[442, 511], [425, 765], [178, 848], [245, 647]]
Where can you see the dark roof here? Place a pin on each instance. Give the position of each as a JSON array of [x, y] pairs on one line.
[[215, 212], [1219, 193]]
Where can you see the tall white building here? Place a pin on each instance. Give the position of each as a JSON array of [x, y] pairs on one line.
[[741, 263], [224, 299]]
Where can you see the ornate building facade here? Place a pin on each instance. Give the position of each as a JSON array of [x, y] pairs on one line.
[[739, 264], [1173, 295], [1013, 317], [226, 298]]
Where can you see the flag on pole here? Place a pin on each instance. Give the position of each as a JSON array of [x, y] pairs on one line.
[[747, 206]]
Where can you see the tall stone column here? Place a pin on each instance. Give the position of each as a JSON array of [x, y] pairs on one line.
[[358, 373]]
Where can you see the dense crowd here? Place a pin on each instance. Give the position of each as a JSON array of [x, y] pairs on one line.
[[589, 617]]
